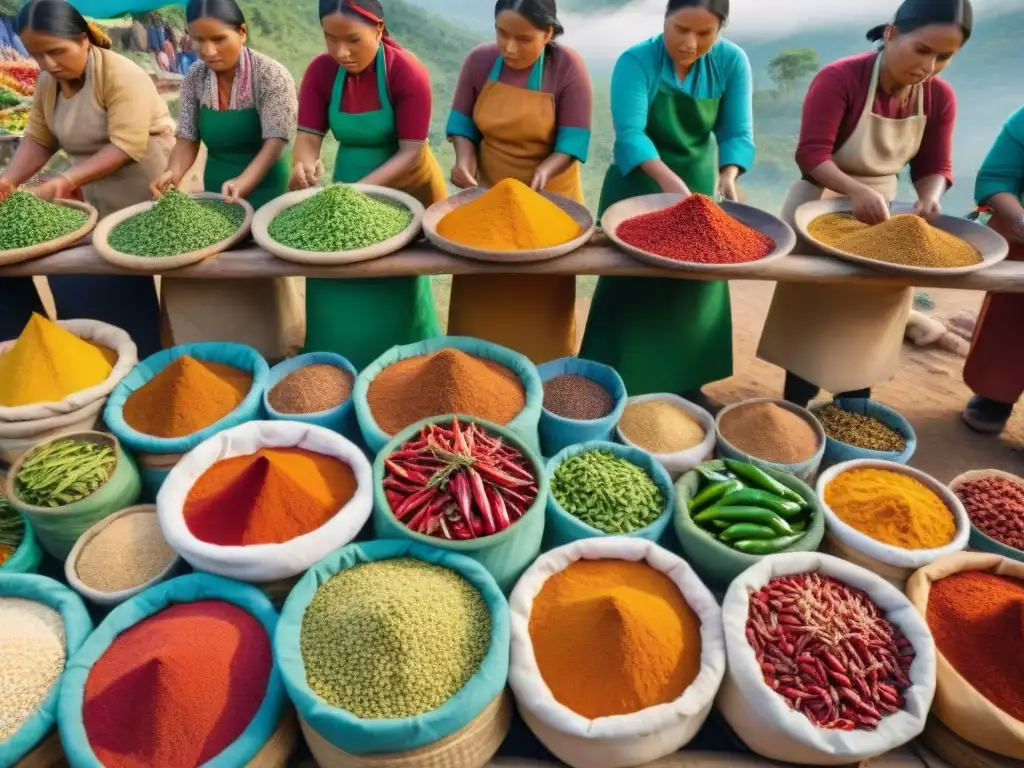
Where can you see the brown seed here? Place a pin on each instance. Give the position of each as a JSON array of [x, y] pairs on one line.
[[577, 397], [311, 389]]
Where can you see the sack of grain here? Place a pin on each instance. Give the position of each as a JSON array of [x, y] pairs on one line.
[[604, 391], [455, 726], [263, 562], [505, 554], [562, 527], [158, 455], [299, 402], [23, 426], [761, 717], [28, 712], [415, 391], [259, 742], [660, 422], [958, 704], [617, 741]]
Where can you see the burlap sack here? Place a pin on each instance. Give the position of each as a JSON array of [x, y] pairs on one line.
[[958, 704]]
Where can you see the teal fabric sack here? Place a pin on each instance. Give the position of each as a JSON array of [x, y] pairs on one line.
[[77, 626], [340, 419], [524, 425], [184, 589], [110, 9], [27, 556], [837, 452], [505, 555], [370, 737], [562, 528], [557, 432], [157, 455]]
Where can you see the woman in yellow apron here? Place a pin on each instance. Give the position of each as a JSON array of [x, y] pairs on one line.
[[105, 114], [865, 119], [374, 97], [522, 110], [243, 106]]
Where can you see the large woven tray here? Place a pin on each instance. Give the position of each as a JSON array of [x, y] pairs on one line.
[[18, 255]]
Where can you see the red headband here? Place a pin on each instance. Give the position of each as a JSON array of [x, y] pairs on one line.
[[363, 12]]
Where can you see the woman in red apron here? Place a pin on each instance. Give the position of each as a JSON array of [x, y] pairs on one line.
[[522, 110], [995, 366], [374, 97], [865, 119]]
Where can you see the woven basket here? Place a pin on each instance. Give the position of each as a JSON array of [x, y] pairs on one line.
[[49, 754], [471, 747], [279, 747]]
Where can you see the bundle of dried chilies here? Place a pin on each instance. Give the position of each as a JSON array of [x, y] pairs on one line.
[[458, 482]]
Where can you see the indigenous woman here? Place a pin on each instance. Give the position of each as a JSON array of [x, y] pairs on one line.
[[105, 114], [995, 366], [681, 105], [522, 110], [865, 118], [374, 97], [242, 105]]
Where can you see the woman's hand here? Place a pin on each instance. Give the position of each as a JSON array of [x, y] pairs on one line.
[[928, 208], [162, 184], [59, 188], [464, 173], [541, 177], [6, 188], [237, 189], [673, 185], [727, 182], [305, 175], [870, 206]]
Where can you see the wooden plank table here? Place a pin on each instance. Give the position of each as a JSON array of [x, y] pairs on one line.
[[596, 258]]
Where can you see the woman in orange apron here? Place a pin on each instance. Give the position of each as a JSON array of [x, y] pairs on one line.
[[995, 366], [374, 97], [865, 119], [522, 110]]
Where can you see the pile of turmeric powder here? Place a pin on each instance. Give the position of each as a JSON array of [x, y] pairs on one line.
[[613, 637], [48, 363], [509, 217], [891, 507]]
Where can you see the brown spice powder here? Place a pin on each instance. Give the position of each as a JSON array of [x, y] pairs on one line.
[[448, 381], [311, 389], [769, 432]]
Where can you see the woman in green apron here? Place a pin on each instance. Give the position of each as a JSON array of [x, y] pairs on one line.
[[681, 105], [243, 106], [374, 97]]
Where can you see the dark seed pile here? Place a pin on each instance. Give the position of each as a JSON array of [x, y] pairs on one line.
[[25, 220], [176, 224], [577, 397]]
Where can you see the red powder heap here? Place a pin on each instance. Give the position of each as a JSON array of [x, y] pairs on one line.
[[695, 230], [178, 688]]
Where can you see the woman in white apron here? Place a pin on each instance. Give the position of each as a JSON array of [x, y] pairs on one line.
[[865, 119], [244, 107], [104, 112]]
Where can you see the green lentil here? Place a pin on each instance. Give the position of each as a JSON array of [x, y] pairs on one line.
[[176, 224], [339, 218], [610, 494], [393, 638], [63, 472], [859, 430], [25, 220]]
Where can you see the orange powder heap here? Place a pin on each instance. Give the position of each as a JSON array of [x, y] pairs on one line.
[[185, 397], [267, 497], [613, 637]]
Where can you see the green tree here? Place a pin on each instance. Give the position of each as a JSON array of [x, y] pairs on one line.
[[791, 67]]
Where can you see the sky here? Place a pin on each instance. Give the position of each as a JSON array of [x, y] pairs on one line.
[[596, 34]]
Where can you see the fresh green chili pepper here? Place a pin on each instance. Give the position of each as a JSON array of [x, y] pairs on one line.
[[755, 497], [763, 480], [741, 531], [713, 493], [800, 526], [766, 546], [758, 515]]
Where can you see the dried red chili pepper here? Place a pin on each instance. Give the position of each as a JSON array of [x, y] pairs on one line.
[[827, 650], [458, 483]]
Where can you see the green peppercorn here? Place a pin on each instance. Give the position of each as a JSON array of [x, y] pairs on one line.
[[26, 220], [176, 224], [608, 493], [339, 218]]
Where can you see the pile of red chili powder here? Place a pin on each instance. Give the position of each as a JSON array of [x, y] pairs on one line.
[[695, 230], [268, 497], [176, 689]]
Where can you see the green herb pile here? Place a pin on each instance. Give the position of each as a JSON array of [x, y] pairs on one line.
[[12, 528], [63, 472], [8, 98], [610, 494], [393, 638], [338, 219], [176, 224], [25, 220]]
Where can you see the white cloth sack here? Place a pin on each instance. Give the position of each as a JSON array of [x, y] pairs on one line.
[[91, 330], [761, 717], [623, 740], [680, 461], [893, 563], [263, 562]]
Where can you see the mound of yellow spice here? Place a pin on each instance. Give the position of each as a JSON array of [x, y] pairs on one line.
[[904, 239], [48, 363], [613, 637], [509, 217]]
